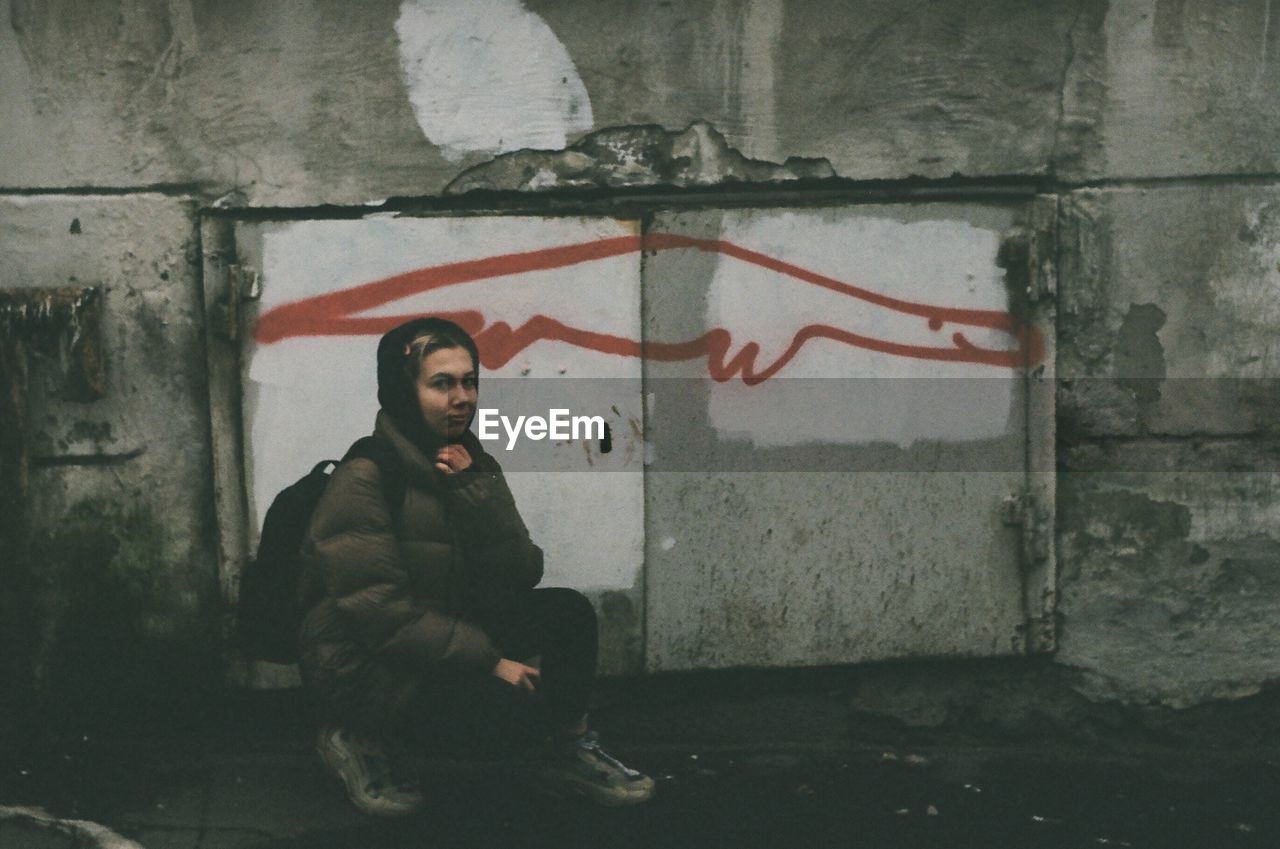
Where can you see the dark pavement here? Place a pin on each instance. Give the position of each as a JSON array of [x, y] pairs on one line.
[[777, 771]]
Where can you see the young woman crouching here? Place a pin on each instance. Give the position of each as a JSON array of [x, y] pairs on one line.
[[425, 615]]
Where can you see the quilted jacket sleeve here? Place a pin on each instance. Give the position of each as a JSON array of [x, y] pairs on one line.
[[500, 555], [351, 544]]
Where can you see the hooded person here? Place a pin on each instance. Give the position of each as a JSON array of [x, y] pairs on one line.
[[425, 614], [400, 354]]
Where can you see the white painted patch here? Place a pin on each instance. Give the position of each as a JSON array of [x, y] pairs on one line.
[[947, 263], [488, 76], [308, 398], [668, 543]]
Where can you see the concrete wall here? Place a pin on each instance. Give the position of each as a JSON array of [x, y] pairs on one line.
[[119, 594], [1168, 481], [1154, 120]]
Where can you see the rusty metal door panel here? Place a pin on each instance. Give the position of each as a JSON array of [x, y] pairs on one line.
[[841, 475]]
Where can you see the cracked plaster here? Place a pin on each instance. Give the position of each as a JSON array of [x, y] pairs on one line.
[[635, 156]]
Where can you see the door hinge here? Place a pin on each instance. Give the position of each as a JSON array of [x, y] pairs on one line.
[[1031, 515], [243, 284], [1041, 259], [1028, 254]]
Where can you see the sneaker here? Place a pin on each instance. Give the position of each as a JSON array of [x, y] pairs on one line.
[[582, 768], [376, 784]]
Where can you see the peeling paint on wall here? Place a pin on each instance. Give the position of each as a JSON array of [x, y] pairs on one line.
[[644, 155], [488, 76], [1139, 356]]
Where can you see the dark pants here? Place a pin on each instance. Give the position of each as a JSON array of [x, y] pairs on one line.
[[479, 712]]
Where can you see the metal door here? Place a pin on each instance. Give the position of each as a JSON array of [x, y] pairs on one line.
[[830, 431], [848, 413]]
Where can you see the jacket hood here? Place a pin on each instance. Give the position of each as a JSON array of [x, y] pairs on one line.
[[396, 393]]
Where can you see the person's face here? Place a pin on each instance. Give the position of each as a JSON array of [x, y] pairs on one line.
[[446, 388]]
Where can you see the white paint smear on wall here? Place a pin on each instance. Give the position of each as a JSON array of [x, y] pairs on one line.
[[946, 263], [488, 76]]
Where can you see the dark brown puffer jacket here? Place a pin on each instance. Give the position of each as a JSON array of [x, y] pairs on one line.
[[394, 602]]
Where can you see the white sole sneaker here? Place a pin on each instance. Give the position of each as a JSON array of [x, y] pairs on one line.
[[567, 788], [588, 772], [350, 759]]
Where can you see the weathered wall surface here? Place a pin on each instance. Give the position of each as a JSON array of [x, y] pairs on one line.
[[125, 599], [1154, 120], [334, 102], [1169, 485], [1168, 310], [1178, 88]]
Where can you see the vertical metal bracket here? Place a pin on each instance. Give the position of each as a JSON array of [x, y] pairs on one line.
[[224, 287], [1027, 254], [242, 284], [1039, 558], [1031, 516]]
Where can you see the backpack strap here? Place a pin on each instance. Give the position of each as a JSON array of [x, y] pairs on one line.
[[390, 473]]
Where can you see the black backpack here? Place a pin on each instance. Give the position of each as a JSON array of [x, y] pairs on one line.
[[272, 603]]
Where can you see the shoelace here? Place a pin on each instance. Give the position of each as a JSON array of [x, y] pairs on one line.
[[384, 772], [590, 742]]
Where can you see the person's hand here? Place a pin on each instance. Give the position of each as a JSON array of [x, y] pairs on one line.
[[452, 459], [518, 675]]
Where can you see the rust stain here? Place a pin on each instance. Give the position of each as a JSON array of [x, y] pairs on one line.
[[68, 321]]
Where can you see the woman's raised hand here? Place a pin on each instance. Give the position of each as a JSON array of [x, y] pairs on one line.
[[518, 675], [452, 459]]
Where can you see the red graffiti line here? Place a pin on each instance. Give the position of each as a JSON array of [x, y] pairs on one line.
[[336, 314]]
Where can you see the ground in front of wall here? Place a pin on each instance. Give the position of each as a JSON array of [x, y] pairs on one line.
[[235, 793]]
